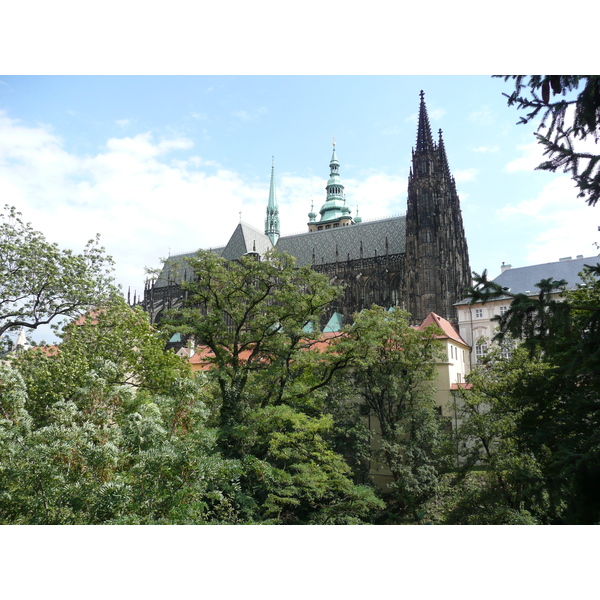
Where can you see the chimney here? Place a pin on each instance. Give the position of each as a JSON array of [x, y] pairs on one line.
[[505, 267]]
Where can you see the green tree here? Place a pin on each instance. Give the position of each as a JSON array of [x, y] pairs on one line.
[[112, 332], [393, 374], [536, 414], [40, 282], [550, 98], [135, 458], [259, 321], [508, 470]]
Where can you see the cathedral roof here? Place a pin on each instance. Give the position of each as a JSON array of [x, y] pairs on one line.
[[315, 247], [341, 243], [244, 239]]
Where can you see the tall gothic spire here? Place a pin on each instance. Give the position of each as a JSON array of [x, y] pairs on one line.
[[272, 220], [424, 138], [437, 258]]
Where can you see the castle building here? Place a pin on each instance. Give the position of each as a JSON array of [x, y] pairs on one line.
[[418, 261], [476, 322]]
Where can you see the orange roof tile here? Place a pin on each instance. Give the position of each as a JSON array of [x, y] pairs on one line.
[[445, 326], [462, 386]]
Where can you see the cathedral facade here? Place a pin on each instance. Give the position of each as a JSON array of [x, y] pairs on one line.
[[418, 262]]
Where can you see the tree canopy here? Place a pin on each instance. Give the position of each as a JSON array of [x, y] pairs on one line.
[[568, 110], [258, 322], [393, 373], [39, 281], [532, 417]]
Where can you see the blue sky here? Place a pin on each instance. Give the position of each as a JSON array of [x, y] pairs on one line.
[[165, 164]]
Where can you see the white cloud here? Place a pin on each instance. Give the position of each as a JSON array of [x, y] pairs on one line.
[[484, 116], [532, 156], [254, 115], [486, 149], [465, 174], [385, 194], [130, 192], [124, 122], [565, 225]]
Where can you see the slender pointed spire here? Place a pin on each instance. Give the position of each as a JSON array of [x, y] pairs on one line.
[[424, 138], [312, 215], [443, 158], [272, 220]]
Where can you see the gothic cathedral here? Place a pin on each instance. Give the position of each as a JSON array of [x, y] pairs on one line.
[[418, 262]]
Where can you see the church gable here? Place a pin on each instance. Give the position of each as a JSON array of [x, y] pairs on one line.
[[246, 239]]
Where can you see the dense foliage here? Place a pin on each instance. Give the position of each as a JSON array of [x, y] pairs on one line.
[[286, 422], [532, 419], [392, 376]]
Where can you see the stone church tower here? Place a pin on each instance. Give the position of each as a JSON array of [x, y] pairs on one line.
[[437, 267]]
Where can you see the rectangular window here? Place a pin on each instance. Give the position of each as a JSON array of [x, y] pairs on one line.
[[503, 309], [480, 351], [479, 313]]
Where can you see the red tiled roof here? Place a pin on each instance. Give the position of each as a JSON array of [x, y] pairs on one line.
[[445, 326], [203, 355], [462, 386]]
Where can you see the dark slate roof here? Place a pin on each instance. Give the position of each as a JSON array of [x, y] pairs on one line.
[[322, 244], [522, 280], [246, 239], [175, 269], [303, 246], [243, 240]]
